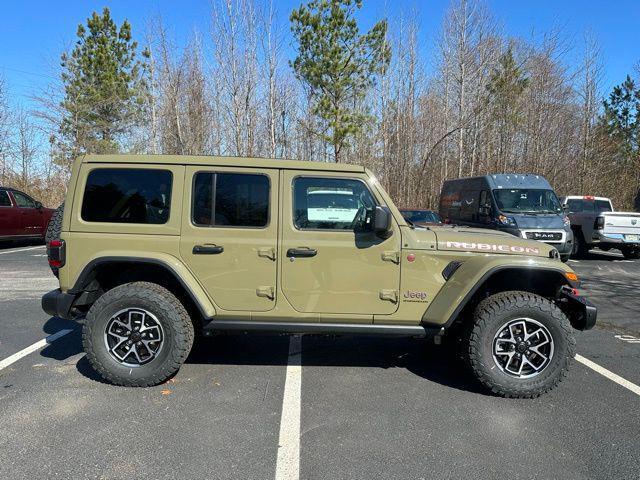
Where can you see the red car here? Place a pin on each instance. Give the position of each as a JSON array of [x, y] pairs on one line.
[[22, 217]]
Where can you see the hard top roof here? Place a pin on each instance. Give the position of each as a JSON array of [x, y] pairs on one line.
[[204, 160]]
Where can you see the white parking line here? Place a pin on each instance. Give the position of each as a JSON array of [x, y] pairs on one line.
[[610, 375], [15, 250], [32, 348], [288, 463]]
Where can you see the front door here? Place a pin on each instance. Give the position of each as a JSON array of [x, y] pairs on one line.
[[330, 262], [31, 218], [229, 234]]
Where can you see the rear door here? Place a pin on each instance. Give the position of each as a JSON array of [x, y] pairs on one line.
[[329, 267], [229, 234], [9, 216]]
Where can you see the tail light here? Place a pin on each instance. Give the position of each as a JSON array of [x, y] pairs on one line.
[[599, 223], [56, 253]]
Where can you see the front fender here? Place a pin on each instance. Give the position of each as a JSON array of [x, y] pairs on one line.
[[474, 272]]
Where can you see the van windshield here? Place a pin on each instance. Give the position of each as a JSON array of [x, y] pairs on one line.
[[527, 200]]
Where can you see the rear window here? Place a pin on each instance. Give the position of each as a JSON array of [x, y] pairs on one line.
[[127, 196], [5, 201], [230, 200], [576, 205]]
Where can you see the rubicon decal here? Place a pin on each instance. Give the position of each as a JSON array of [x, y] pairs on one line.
[[414, 296], [492, 247]]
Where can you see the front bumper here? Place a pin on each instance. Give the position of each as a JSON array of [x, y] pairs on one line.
[[58, 304], [582, 313]]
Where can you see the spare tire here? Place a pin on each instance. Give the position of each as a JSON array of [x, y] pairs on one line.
[[54, 229]]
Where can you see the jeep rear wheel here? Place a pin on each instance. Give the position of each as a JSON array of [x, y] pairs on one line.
[[519, 344], [137, 334]]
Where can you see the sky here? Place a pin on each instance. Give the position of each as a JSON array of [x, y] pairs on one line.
[[34, 33]]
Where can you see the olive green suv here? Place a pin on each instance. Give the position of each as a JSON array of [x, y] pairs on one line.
[[150, 250]]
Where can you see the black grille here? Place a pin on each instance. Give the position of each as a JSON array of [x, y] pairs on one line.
[[544, 236]]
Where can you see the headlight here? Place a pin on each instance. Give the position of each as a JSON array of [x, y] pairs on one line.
[[507, 220], [567, 222]]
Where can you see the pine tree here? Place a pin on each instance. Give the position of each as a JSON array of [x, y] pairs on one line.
[[105, 90], [338, 64], [622, 117]]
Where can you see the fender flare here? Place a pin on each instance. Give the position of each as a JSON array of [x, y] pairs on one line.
[[428, 319], [194, 290]]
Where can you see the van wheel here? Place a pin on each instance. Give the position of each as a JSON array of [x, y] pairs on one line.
[[137, 334], [580, 247], [519, 345]]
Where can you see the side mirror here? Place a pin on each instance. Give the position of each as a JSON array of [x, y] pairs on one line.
[[381, 220], [38, 205], [485, 211]]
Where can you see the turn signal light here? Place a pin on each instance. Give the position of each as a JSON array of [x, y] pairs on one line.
[[571, 276]]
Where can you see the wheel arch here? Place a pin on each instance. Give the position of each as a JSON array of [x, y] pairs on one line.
[[104, 273], [457, 299]]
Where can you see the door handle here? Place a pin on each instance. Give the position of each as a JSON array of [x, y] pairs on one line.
[[302, 252], [207, 249]]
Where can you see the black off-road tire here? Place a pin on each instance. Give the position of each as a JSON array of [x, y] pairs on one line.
[[54, 229], [580, 247], [175, 322], [490, 316], [631, 253]]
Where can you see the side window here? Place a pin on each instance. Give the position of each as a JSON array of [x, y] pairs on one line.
[[575, 206], [5, 201], [230, 200], [23, 201], [127, 196], [331, 204]]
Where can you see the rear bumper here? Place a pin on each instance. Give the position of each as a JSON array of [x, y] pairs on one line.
[[582, 313], [58, 304], [613, 239]]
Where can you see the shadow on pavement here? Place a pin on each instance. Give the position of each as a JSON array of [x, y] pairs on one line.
[[422, 358], [7, 244]]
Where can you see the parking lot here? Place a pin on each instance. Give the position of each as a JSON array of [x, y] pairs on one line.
[[317, 407]]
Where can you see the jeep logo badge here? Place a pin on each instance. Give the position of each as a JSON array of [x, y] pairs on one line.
[[414, 296]]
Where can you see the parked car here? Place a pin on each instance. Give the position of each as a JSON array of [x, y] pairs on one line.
[[419, 216], [22, 217], [523, 205], [158, 247], [596, 224]]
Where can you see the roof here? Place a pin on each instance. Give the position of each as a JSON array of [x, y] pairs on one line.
[[517, 180], [251, 162]]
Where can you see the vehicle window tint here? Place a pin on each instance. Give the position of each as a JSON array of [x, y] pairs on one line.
[[23, 201], [603, 206], [331, 203], [575, 206], [127, 196], [230, 200], [5, 201]]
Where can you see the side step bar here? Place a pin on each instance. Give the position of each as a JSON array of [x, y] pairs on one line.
[[324, 328]]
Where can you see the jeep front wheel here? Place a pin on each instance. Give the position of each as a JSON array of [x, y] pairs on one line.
[[519, 345], [137, 334]]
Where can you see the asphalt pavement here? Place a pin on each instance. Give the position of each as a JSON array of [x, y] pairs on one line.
[[367, 408]]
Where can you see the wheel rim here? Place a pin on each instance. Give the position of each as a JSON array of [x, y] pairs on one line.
[[134, 337], [523, 348]]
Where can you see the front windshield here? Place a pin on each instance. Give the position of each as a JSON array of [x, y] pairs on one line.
[[527, 200], [420, 216]]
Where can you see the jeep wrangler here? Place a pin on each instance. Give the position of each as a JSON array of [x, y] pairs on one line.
[[153, 249]]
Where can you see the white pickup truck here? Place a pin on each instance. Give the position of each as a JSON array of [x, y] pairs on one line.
[[596, 224]]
